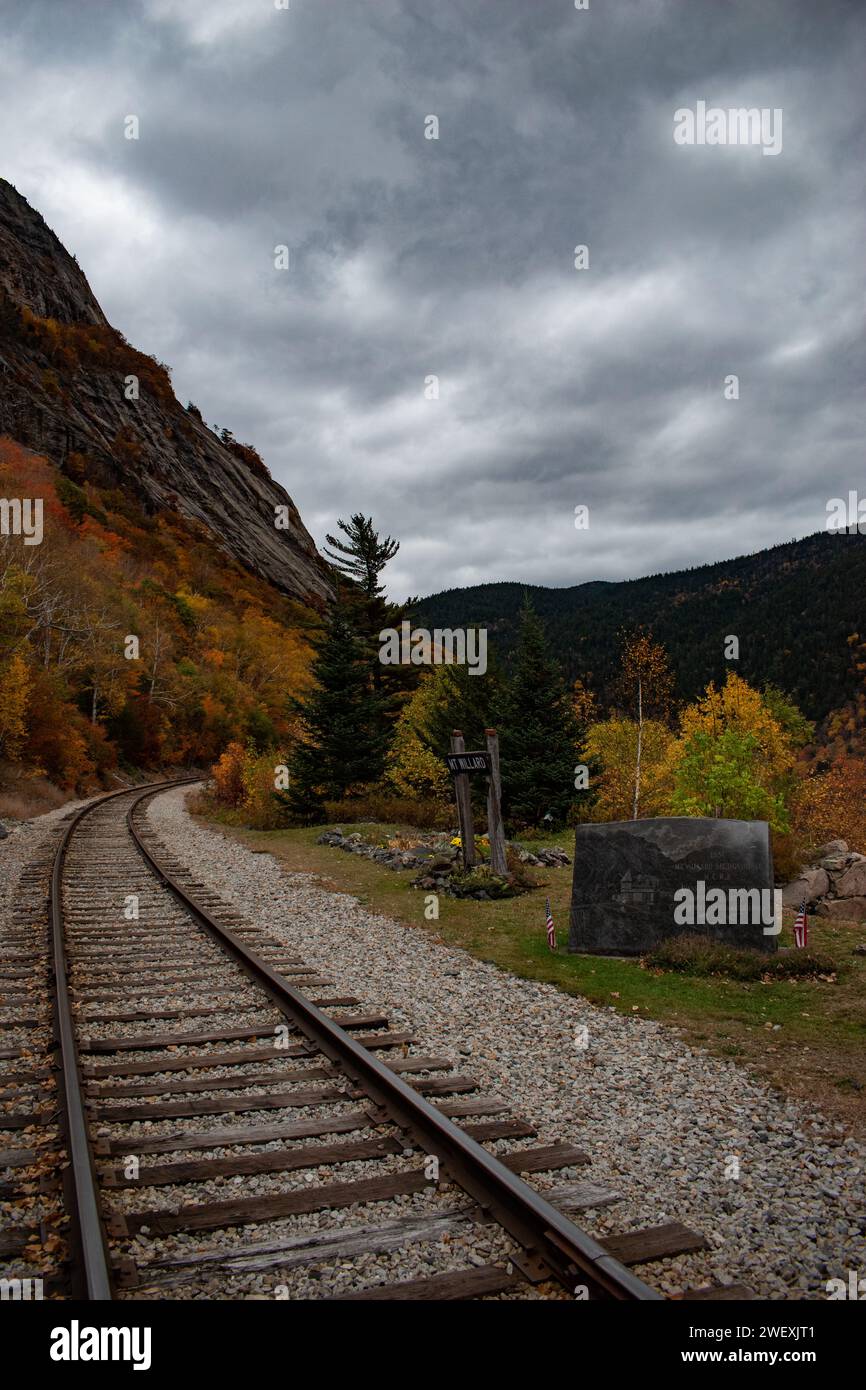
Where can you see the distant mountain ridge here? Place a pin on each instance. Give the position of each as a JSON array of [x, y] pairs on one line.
[[793, 608], [62, 394]]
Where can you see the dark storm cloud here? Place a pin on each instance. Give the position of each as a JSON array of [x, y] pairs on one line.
[[455, 258]]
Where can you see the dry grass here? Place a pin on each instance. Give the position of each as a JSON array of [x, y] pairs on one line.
[[21, 798], [701, 955]]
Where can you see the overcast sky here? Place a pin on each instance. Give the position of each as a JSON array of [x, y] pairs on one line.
[[412, 257]]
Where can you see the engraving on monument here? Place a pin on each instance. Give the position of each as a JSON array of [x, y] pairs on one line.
[[637, 882]]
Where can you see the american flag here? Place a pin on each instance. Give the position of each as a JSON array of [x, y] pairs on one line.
[[801, 926], [551, 929]]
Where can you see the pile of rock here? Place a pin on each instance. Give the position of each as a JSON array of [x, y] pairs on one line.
[[437, 862], [834, 886], [550, 857], [480, 883], [428, 854]]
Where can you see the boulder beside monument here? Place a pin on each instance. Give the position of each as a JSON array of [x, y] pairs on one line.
[[637, 882], [834, 885]]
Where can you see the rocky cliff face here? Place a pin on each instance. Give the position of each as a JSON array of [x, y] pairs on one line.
[[64, 375]]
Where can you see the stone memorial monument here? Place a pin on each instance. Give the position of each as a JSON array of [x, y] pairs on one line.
[[637, 882]]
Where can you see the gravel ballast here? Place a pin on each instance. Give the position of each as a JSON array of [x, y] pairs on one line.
[[23, 994], [660, 1121]]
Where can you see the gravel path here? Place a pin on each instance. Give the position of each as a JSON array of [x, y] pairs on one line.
[[23, 843], [660, 1121]]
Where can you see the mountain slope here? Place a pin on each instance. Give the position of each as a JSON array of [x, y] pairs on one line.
[[63, 370], [793, 608], [128, 638]]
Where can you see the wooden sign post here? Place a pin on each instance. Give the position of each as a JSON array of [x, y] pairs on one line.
[[464, 805], [495, 830], [461, 764]]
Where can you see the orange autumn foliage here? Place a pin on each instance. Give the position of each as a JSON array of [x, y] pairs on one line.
[[832, 805], [219, 652], [228, 776]]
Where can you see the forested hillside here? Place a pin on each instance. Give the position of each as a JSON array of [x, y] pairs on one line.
[[129, 638], [165, 606], [793, 607]]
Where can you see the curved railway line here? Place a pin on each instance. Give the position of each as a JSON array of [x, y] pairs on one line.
[[200, 1110]]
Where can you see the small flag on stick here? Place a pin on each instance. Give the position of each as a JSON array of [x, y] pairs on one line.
[[801, 927], [551, 929]]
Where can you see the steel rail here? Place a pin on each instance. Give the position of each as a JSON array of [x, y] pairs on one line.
[[91, 1277], [554, 1244]]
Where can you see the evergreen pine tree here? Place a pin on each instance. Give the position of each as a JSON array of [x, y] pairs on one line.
[[364, 558], [343, 740], [463, 701], [470, 703], [360, 558], [540, 740]]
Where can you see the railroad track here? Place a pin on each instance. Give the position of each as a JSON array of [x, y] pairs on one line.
[[201, 1115]]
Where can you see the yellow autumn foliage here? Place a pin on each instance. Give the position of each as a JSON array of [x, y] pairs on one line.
[[15, 685], [412, 769], [738, 706], [613, 743]]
